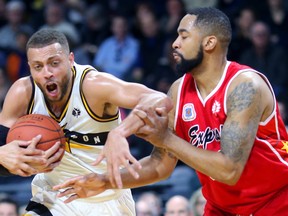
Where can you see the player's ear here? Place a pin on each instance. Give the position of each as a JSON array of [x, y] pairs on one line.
[[71, 58], [209, 42]]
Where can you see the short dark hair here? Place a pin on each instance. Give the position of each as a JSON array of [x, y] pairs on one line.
[[212, 21], [46, 37]]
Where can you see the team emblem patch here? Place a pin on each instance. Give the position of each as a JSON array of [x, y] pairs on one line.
[[76, 112], [188, 113], [216, 107]]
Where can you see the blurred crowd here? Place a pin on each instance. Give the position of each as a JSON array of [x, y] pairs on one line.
[[132, 39]]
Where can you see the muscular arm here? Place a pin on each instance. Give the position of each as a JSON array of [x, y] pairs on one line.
[[248, 100], [108, 94], [16, 102]]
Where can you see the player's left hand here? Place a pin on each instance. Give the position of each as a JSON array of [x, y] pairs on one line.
[[117, 154], [81, 187]]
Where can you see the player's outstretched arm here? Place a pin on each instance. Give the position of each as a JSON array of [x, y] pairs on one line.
[[118, 93], [158, 166]]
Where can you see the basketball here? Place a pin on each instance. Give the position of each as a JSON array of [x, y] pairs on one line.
[[29, 126]]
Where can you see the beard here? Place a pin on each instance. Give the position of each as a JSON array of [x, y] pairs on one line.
[[63, 89], [187, 65]]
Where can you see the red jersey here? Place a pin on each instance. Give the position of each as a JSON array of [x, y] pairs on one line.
[[199, 121]]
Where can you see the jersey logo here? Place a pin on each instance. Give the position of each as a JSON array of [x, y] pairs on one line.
[[188, 113], [200, 138], [87, 139], [76, 112], [216, 107]]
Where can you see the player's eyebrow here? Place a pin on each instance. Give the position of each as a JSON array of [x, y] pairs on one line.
[[182, 30]]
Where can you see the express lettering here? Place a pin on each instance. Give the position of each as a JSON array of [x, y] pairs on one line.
[[203, 138]]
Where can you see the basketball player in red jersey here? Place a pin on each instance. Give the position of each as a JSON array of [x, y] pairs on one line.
[[225, 124]]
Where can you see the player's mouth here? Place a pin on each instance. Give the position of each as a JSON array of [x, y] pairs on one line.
[[52, 89], [176, 56]]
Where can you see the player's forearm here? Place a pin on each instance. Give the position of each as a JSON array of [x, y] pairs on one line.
[[153, 101], [129, 125], [132, 122], [151, 172], [213, 164]]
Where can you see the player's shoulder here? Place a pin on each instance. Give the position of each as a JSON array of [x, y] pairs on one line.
[[21, 90], [250, 77], [22, 86], [98, 78]]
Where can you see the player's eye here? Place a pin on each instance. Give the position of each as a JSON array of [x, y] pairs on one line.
[[55, 63], [37, 67]]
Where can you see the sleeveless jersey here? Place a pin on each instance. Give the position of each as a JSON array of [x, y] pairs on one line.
[[199, 121], [85, 133]]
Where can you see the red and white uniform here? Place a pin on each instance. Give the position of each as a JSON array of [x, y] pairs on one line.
[[199, 121]]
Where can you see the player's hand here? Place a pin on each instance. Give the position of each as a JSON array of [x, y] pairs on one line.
[[155, 129], [51, 157], [117, 154], [18, 155], [81, 187]]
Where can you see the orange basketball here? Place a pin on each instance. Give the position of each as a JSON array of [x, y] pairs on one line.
[[29, 126]]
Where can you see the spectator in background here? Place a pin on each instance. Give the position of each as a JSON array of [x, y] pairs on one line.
[[266, 57], [16, 62], [125, 7], [118, 54], [37, 14], [142, 9], [231, 7], [143, 208], [55, 19], [153, 200], [94, 30], [198, 202], [178, 206], [241, 33], [8, 207], [75, 12], [152, 42], [175, 10], [277, 19], [15, 13]]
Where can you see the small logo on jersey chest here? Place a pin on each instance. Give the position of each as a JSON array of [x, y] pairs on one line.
[[188, 113], [216, 107], [76, 112]]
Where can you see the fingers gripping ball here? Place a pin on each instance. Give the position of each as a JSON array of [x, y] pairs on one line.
[[29, 126]]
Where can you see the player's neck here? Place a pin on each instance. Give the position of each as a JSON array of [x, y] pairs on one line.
[[208, 77]]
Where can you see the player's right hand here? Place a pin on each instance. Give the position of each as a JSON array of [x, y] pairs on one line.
[[29, 161], [16, 158], [81, 187], [51, 157]]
